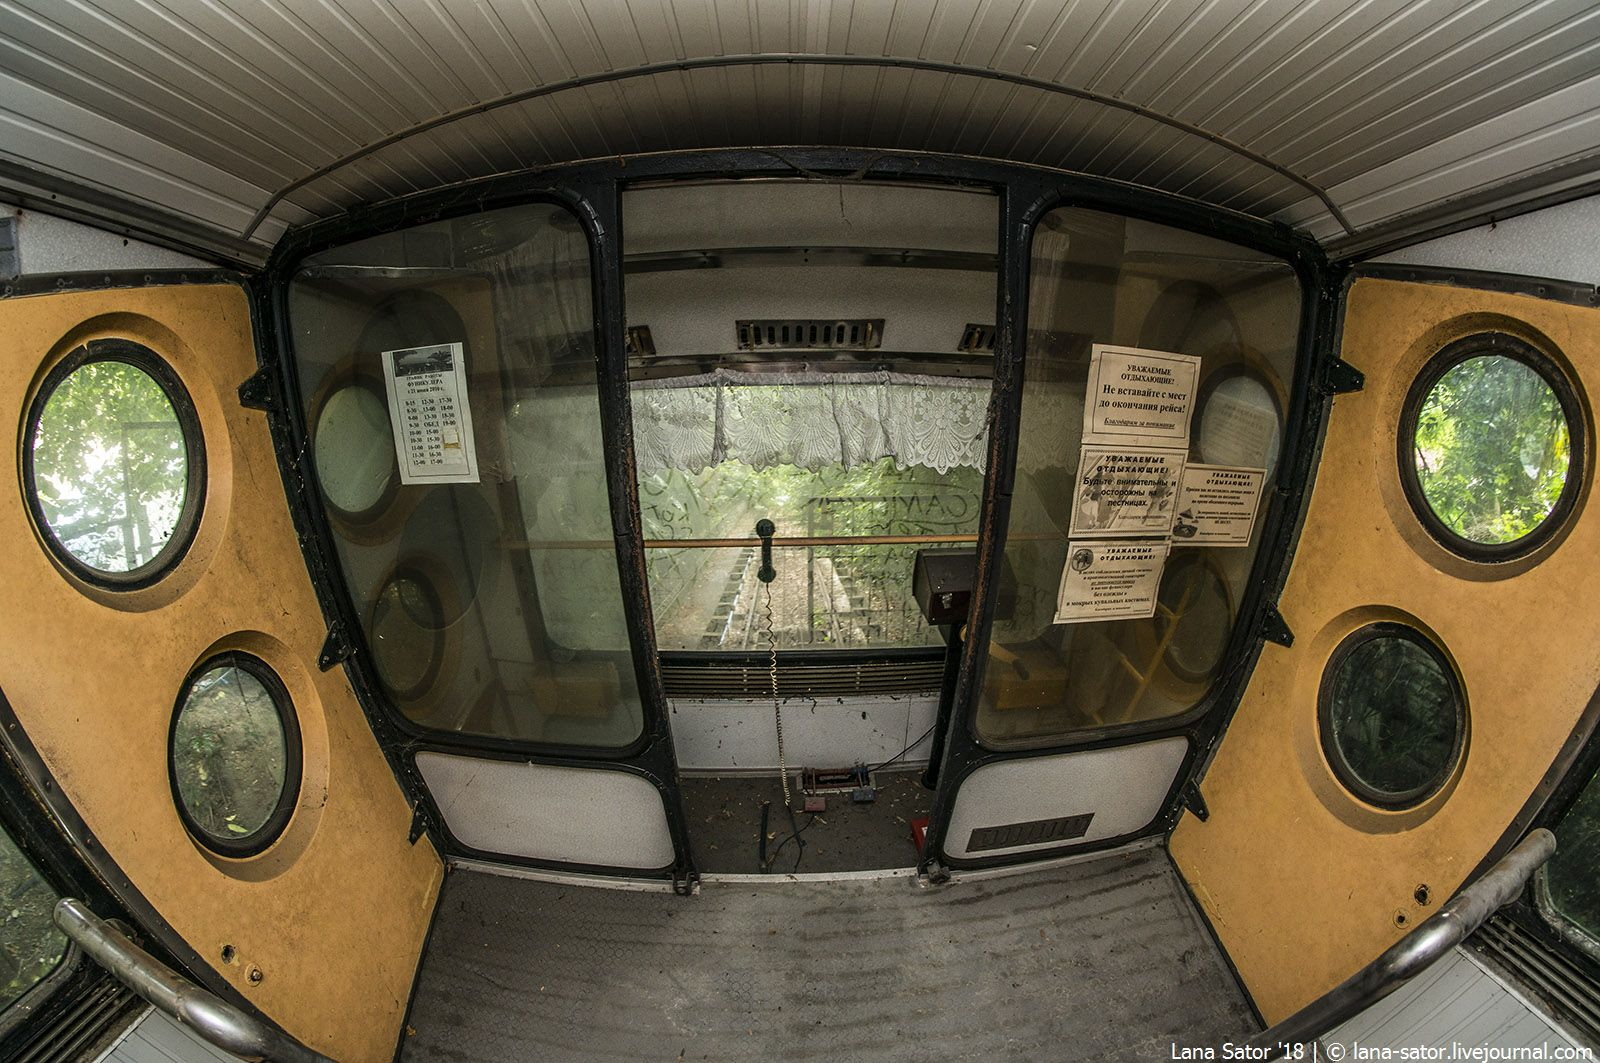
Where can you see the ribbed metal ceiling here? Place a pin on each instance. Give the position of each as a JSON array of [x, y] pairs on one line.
[[222, 122]]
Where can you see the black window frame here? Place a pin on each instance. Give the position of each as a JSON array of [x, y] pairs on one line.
[[1338, 763], [166, 378], [1491, 344], [265, 836], [592, 190]]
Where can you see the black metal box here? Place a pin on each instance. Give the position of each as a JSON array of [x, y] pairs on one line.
[[941, 581]]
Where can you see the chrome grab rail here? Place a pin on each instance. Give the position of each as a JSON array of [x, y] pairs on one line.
[[213, 1019], [1415, 952]]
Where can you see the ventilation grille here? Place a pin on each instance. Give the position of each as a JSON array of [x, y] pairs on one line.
[[976, 338], [830, 679], [811, 334], [1033, 832], [1563, 985], [80, 1030]]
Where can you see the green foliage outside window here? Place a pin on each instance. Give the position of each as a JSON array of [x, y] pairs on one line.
[[110, 466], [1492, 449], [1394, 719], [30, 945], [229, 753], [844, 596]]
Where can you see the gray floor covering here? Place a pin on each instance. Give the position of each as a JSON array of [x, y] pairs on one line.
[[725, 818], [1097, 960]]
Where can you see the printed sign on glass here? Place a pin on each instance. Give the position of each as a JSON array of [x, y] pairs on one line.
[[1217, 505], [429, 414], [1137, 397], [1110, 580], [1126, 491]]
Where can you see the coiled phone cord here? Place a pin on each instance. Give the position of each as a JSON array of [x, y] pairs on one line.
[[772, 676]]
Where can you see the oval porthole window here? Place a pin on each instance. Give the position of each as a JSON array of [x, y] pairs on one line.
[[1195, 603], [1392, 716], [407, 635], [234, 755], [113, 464], [1490, 447], [354, 451]]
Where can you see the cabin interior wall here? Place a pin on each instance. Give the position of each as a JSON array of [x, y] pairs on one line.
[[1556, 242], [47, 245], [1303, 882], [335, 912]]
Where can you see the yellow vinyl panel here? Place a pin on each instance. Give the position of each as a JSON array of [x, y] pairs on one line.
[[1303, 882], [335, 912]]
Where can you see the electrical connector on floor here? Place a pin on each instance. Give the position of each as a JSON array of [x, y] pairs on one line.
[[864, 795]]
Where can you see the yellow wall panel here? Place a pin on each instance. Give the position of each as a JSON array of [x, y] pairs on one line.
[[335, 913], [1302, 881]]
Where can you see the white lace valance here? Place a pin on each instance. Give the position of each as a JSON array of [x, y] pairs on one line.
[[810, 420]]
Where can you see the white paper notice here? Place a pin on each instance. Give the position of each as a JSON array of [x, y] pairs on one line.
[[1110, 581], [1126, 491], [1138, 397], [1217, 506], [430, 415]]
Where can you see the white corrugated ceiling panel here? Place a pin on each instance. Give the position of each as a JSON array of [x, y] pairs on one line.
[[208, 111]]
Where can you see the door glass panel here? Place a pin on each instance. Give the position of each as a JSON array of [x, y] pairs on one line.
[[1102, 279], [30, 945], [477, 543]]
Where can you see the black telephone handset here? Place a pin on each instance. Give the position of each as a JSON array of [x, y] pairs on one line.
[[766, 529]]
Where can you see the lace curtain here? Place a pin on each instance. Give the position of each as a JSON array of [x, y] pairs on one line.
[[810, 420]]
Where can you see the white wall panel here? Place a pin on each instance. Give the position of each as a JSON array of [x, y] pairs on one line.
[[1561, 243], [544, 812], [1123, 787], [740, 735], [47, 244]]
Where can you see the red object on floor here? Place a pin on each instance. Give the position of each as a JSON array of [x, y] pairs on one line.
[[816, 803], [919, 832]]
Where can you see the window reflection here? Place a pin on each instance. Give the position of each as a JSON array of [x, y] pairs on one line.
[[493, 606], [1391, 715]]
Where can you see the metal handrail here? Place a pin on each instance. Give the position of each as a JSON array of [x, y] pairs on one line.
[[1414, 953], [216, 1021]]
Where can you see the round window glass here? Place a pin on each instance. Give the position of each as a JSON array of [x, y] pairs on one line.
[[1195, 601], [113, 464], [406, 637], [354, 450], [1392, 716], [1487, 447], [235, 755], [1238, 424]]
